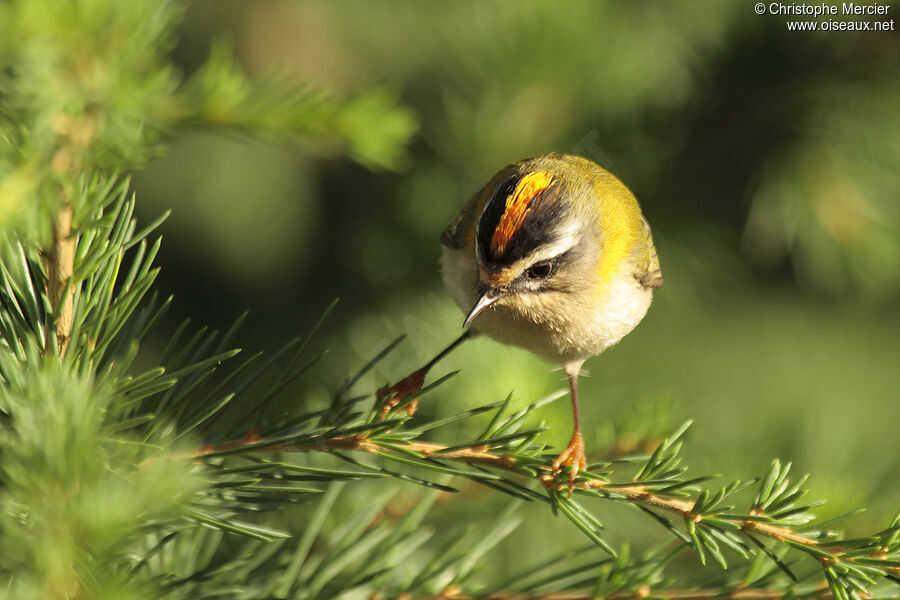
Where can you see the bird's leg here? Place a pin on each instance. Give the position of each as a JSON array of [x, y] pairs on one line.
[[392, 395], [573, 455]]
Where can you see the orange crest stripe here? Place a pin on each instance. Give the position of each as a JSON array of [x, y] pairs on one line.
[[518, 205]]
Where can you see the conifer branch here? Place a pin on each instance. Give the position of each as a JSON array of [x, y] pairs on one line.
[[503, 454], [481, 454]]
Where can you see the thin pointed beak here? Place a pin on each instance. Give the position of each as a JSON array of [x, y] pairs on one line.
[[488, 297]]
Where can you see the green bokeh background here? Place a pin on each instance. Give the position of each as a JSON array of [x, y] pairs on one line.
[[767, 162]]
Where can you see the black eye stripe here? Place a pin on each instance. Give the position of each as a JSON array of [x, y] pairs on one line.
[[553, 265]]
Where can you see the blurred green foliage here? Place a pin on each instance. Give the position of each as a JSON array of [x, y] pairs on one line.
[[59, 447]]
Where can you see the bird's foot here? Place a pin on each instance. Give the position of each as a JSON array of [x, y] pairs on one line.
[[572, 457], [395, 394]]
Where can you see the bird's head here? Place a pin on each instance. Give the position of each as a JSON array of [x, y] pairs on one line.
[[538, 237]]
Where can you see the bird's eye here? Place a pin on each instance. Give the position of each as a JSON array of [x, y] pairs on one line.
[[539, 270]]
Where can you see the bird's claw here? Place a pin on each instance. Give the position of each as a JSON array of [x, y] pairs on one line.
[[573, 457], [395, 394]]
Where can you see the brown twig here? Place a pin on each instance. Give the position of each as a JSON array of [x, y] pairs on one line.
[[638, 494], [61, 264]]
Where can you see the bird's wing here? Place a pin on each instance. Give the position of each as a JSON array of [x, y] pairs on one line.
[[460, 231], [648, 272]]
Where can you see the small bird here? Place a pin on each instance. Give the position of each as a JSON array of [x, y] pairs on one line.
[[554, 256]]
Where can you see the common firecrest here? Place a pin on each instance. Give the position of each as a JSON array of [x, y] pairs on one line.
[[554, 256]]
